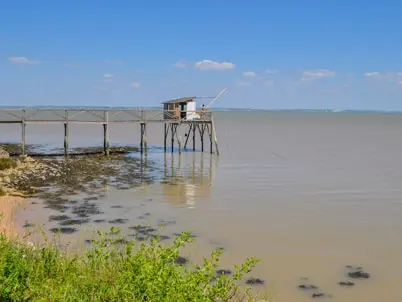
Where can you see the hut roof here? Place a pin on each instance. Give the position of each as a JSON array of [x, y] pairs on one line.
[[180, 100]]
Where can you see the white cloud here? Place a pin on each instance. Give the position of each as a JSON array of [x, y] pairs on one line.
[[317, 74], [250, 74], [241, 83], [372, 74], [213, 65], [393, 77], [136, 85], [22, 60], [271, 71], [180, 64], [108, 76]]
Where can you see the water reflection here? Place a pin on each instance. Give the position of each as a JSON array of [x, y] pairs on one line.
[[187, 178]]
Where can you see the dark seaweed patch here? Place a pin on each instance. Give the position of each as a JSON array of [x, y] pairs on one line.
[[346, 283], [58, 217], [255, 281], [307, 287], [63, 230], [118, 221], [73, 222], [224, 272], [181, 260]]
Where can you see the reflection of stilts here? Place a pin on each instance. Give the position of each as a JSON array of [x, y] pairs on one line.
[[186, 180]]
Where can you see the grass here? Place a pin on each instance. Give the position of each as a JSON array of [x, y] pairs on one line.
[[7, 163], [110, 272]]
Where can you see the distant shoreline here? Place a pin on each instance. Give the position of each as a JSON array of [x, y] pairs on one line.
[[218, 109]]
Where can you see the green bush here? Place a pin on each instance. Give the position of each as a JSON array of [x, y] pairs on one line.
[[110, 272], [7, 163], [2, 192]]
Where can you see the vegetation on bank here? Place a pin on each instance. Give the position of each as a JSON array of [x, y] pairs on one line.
[[114, 272], [7, 163]]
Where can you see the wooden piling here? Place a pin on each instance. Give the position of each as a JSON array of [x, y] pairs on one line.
[[194, 136], [106, 143], [172, 137], [23, 126], [66, 134], [201, 129], [215, 138], [165, 137], [145, 138], [178, 137], [66, 139], [210, 138], [142, 138], [187, 136]]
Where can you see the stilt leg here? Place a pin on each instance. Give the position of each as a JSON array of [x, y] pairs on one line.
[[172, 136], [106, 143], [23, 126], [66, 139], [194, 137], [188, 135]]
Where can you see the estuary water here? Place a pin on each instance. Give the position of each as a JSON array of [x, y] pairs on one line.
[[307, 193]]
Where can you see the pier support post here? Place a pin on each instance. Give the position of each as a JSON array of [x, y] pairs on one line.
[[145, 138], [144, 144], [194, 136], [178, 137], [201, 129], [173, 129], [165, 137], [66, 135], [106, 143], [187, 136], [209, 126], [23, 126], [66, 139], [215, 138]]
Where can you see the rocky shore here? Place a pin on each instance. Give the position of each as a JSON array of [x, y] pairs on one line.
[[68, 185]]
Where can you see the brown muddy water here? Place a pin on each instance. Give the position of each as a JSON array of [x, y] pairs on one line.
[[308, 193]]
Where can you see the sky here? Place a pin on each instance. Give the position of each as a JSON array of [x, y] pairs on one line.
[[283, 54]]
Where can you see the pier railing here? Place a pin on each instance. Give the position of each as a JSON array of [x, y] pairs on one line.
[[108, 115]]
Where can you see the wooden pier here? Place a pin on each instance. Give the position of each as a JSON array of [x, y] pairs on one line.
[[193, 122]]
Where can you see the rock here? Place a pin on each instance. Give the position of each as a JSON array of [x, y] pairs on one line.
[[181, 260], [307, 287], [317, 295], [118, 221], [224, 272], [359, 275], [4, 153], [346, 283], [255, 281]]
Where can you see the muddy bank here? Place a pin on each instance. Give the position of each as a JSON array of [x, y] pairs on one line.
[[72, 185]]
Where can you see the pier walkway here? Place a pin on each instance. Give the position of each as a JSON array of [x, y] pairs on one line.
[[193, 122]]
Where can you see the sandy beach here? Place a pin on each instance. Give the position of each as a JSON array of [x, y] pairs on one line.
[[8, 206]]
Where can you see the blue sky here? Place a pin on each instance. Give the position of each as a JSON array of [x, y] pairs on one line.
[[269, 54]]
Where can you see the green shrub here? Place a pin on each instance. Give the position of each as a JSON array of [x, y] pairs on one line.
[[7, 163], [110, 272], [2, 192]]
